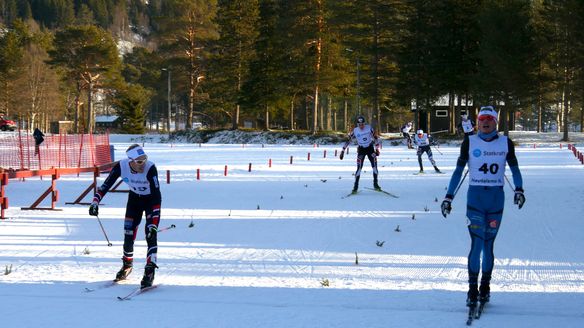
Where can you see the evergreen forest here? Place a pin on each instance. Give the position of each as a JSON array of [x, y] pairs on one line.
[[307, 65]]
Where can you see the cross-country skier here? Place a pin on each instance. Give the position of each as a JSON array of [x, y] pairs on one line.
[[485, 154], [423, 141], [405, 129], [466, 126], [142, 177], [368, 145]]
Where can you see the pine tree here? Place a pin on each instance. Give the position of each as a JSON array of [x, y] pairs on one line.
[[89, 57], [238, 25]]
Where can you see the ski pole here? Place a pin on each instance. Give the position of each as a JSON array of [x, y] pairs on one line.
[[438, 150], [510, 185], [172, 226], [460, 184], [109, 244]]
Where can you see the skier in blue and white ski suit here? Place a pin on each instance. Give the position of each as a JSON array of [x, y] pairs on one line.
[[485, 154], [368, 145], [141, 176]]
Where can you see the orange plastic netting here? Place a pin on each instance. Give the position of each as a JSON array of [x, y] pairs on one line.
[[19, 152]]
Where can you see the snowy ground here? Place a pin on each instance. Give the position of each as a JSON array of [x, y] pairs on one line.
[[264, 242]]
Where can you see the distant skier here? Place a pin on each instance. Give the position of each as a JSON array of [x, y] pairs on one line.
[[423, 141], [405, 129], [141, 176], [368, 145], [466, 126], [485, 154], [39, 138]]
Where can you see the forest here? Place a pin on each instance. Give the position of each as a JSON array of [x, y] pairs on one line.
[[307, 65]]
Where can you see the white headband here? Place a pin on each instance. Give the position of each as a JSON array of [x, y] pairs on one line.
[[489, 110], [135, 153]]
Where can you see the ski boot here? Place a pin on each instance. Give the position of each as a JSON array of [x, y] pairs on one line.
[[125, 270], [148, 278], [472, 296], [484, 293], [356, 185], [375, 184], [436, 169]]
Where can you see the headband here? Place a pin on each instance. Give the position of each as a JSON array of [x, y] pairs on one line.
[[135, 153]]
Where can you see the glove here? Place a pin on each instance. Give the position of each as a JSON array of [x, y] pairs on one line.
[[342, 155], [519, 198], [377, 152], [94, 209], [446, 206], [152, 230]]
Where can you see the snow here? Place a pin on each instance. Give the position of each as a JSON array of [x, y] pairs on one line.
[[264, 242]]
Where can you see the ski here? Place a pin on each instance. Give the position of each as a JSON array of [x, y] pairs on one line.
[[104, 285], [480, 310], [422, 173], [471, 315], [136, 292], [350, 194], [384, 192]]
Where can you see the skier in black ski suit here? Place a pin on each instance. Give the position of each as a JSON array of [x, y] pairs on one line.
[[368, 146], [141, 176]]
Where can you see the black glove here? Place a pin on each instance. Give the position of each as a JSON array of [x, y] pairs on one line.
[[446, 206], [94, 209], [519, 198], [152, 231], [342, 155], [377, 152]]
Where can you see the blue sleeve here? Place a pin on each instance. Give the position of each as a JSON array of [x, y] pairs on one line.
[[460, 164], [108, 183], [455, 180], [514, 165]]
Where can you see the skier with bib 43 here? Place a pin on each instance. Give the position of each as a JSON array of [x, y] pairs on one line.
[[141, 176], [368, 145], [486, 154], [423, 141]]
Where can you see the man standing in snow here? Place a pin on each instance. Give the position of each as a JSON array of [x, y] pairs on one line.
[[368, 145], [405, 129], [423, 141], [141, 176], [486, 154], [466, 126]]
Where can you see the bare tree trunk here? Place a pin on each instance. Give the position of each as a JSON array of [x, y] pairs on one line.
[[89, 106], [345, 117], [267, 117], [452, 124], [320, 26], [292, 113]]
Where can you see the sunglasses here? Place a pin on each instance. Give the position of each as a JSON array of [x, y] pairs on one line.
[[139, 161], [486, 118]]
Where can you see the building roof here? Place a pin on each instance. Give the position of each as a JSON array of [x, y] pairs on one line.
[[106, 118]]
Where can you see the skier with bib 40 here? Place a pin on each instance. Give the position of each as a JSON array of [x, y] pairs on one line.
[[141, 176], [486, 154]]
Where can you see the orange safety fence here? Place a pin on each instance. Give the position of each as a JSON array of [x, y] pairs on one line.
[[19, 152]]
